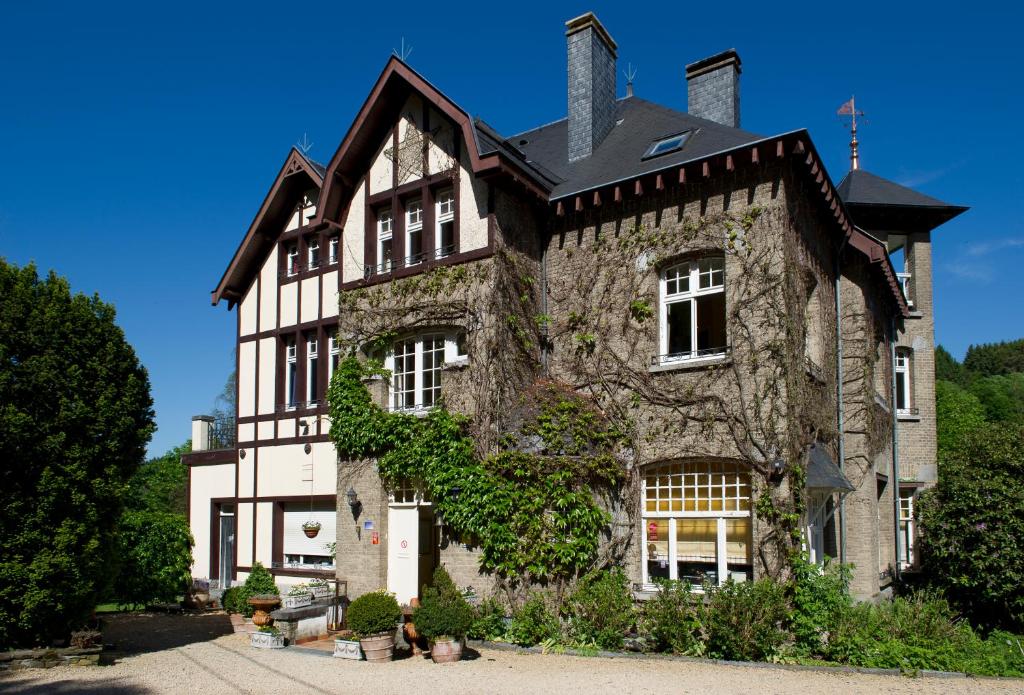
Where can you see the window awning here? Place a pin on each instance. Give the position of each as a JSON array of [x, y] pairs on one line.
[[823, 473]]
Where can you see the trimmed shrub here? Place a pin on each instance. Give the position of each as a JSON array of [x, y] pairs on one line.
[[600, 610], [259, 581], [374, 613], [672, 621], [744, 620], [443, 612], [535, 622]]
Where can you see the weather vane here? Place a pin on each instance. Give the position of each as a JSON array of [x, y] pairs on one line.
[[305, 145], [850, 109], [404, 53], [630, 74]]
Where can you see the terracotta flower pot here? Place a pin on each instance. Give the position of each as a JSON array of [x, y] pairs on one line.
[[263, 604], [378, 648], [446, 651]]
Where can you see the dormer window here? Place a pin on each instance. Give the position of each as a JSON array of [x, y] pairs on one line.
[[332, 250], [313, 253], [671, 143], [293, 260], [384, 242], [414, 232], [444, 234]]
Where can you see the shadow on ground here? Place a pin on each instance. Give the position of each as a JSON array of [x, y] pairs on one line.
[[138, 633], [66, 687]]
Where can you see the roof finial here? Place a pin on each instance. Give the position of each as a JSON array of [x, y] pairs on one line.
[[404, 53], [630, 74], [850, 109], [305, 144]]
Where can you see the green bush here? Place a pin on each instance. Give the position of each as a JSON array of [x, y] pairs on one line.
[[672, 621], [259, 581], [156, 557], [443, 611], [488, 620], [229, 600], [600, 610], [743, 620], [535, 622], [820, 599], [374, 613]]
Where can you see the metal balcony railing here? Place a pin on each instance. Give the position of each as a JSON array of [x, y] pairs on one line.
[[223, 434]]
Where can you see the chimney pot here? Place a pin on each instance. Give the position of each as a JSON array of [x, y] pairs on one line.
[[713, 88], [591, 61]]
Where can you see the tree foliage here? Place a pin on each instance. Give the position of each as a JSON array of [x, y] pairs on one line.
[[993, 359], [160, 483], [155, 554], [947, 368], [75, 416]]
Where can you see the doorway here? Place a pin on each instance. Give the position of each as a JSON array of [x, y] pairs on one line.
[[412, 552], [226, 552]]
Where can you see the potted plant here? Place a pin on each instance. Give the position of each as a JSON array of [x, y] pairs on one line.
[[374, 617], [346, 646], [263, 604], [443, 617], [298, 596], [267, 637], [320, 588], [311, 529]]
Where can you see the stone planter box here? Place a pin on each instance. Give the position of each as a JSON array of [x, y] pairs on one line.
[[347, 649], [322, 591], [296, 601], [266, 640]]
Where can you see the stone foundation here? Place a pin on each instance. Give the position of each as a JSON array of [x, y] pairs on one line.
[[49, 657]]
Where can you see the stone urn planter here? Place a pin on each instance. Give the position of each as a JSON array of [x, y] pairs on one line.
[[263, 604], [378, 648], [444, 651], [266, 639]]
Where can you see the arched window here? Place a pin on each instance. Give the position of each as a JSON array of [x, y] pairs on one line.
[[692, 320], [697, 522]]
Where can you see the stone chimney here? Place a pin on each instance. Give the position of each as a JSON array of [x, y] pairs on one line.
[[713, 88], [591, 84]]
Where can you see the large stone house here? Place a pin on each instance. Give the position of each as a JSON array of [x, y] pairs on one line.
[[709, 285]]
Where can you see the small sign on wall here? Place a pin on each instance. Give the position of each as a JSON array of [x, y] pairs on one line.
[[368, 525], [375, 538], [652, 531]]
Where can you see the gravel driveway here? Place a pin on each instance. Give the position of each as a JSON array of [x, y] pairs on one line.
[[199, 657]]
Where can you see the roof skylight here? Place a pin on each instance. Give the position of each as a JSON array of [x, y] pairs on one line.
[[672, 143]]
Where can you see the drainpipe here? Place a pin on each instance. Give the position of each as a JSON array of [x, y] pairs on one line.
[[543, 239], [895, 451], [840, 418]]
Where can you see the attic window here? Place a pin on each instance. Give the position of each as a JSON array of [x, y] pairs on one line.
[[672, 143]]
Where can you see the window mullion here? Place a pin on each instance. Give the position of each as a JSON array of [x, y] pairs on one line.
[[673, 563], [417, 394], [723, 566]]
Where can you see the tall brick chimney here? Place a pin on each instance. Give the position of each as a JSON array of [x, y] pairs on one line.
[[591, 84], [713, 88]]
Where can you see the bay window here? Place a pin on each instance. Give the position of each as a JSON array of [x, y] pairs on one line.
[[692, 321], [413, 232], [415, 364], [384, 242], [444, 216], [697, 523]]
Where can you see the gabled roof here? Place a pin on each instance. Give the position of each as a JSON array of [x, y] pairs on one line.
[[298, 174], [878, 203], [639, 123]]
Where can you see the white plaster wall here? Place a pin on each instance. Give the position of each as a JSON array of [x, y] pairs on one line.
[[472, 209], [310, 300], [268, 292], [243, 534], [293, 221], [289, 304], [264, 532], [207, 482], [247, 379], [247, 310], [411, 125], [281, 470], [268, 359], [246, 432], [286, 428], [265, 430], [330, 293], [381, 169], [354, 230], [440, 145], [246, 468]]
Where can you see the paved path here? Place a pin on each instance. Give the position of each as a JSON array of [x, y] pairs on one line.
[[226, 664]]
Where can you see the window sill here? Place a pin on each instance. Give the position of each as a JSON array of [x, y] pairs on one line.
[[915, 314], [908, 417], [683, 365], [460, 363]]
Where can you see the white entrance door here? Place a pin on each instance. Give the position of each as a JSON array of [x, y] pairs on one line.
[[403, 551]]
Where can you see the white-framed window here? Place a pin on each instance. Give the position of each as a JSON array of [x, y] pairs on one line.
[[902, 375], [301, 551], [414, 232], [692, 321], [408, 491], [313, 253], [385, 255], [290, 374], [698, 525], [907, 526], [335, 356], [312, 383], [415, 363], [292, 266], [444, 222], [332, 250]]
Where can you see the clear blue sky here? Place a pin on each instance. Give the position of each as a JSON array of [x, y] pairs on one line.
[[138, 140]]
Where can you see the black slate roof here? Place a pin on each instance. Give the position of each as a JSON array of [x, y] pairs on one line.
[[864, 188], [317, 166], [620, 154]]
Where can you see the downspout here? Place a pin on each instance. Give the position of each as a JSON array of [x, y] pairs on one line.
[[841, 416], [895, 451], [543, 239]]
